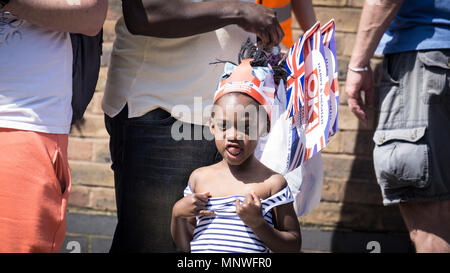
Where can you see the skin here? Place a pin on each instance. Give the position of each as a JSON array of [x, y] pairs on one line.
[[427, 222], [59, 15], [241, 175], [177, 18]]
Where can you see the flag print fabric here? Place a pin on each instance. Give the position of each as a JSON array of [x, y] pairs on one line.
[[312, 96]]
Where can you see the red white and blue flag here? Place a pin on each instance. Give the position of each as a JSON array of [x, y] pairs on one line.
[[311, 93]]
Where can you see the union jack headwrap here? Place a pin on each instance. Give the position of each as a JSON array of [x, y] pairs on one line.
[[257, 82]]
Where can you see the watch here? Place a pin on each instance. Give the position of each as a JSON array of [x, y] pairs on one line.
[[3, 3]]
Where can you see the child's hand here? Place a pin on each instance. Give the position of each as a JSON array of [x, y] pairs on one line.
[[250, 210], [192, 205]]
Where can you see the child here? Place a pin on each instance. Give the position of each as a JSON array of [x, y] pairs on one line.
[[238, 204]]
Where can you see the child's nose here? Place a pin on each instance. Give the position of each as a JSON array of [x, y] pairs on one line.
[[234, 134]]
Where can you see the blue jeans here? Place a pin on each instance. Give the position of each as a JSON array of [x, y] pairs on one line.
[[151, 170]]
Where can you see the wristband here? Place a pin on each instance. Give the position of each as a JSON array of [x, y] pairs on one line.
[[358, 69]]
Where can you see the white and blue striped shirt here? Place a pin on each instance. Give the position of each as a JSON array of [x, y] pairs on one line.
[[226, 232]]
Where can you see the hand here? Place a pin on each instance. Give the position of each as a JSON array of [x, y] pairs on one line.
[[355, 83], [192, 205], [263, 22], [250, 210]]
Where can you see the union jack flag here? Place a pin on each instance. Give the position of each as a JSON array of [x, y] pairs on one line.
[[311, 107]]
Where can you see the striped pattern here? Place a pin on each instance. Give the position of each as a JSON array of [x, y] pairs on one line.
[[226, 232]]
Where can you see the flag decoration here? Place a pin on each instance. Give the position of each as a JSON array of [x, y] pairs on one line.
[[312, 96]]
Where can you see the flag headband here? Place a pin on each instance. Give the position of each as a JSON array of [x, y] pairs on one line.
[[256, 82]]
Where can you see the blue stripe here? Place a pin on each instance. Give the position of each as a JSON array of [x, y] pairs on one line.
[[226, 246], [229, 240], [196, 234], [254, 238]]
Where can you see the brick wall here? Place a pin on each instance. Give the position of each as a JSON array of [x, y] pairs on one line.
[[350, 213]]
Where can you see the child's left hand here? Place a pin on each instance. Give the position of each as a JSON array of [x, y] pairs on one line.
[[250, 210]]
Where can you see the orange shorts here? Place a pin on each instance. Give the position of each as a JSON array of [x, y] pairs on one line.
[[34, 189]]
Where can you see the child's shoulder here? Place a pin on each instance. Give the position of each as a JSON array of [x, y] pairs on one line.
[[276, 182], [201, 175]]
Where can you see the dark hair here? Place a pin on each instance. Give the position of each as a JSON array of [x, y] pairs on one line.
[[262, 58]]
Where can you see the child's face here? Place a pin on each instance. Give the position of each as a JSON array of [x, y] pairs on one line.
[[235, 127]]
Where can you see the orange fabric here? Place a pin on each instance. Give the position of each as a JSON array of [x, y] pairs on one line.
[[285, 25], [273, 3], [32, 207], [287, 29]]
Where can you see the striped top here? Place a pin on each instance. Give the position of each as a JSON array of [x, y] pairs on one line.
[[226, 232]]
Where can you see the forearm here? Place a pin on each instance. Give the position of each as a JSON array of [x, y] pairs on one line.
[[182, 231], [276, 240], [375, 19], [304, 13], [175, 18], [87, 17]]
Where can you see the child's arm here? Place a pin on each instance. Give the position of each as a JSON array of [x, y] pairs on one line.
[[183, 218], [285, 237]]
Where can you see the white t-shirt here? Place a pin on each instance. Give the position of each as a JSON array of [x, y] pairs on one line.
[[148, 72], [35, 77]]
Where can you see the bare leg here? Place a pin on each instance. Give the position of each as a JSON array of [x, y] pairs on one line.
[[428, 224]]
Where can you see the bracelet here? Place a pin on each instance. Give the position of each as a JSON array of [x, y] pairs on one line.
[[359, 69]]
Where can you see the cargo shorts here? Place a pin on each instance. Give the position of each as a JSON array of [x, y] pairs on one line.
[[412, 138]]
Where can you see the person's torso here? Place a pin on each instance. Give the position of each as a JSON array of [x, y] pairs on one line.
[[35, 77], [149, 72], [418, 25]]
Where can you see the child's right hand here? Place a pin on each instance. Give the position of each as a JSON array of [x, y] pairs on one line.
[[192, 205]]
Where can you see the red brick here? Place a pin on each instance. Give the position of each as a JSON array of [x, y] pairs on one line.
[[347, 167], [79, 196], [355, 217], [91, 174], [79, 149], [103, 199]]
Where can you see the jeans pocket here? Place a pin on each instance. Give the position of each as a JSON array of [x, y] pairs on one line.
[[401, 158], [436, 76]]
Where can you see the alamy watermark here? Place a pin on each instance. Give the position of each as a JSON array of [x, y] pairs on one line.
[[235, 121]]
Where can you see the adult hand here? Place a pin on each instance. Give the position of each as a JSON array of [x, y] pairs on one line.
[[356, 83], [192, 205], [250, 210], [263, 22]]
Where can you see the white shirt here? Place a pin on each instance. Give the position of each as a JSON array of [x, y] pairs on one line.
[[35, 77], [148, 72]]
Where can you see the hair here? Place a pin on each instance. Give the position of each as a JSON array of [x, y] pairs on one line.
[[262, 58]]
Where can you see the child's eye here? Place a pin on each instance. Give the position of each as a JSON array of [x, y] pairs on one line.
[[221, 125]]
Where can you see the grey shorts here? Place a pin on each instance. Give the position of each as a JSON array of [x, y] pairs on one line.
[[412, 139]]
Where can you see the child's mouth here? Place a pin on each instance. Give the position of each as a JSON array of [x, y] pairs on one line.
[[233, 151]]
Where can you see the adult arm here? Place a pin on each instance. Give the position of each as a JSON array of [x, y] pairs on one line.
[[82, 16], [304, 13], [177, 18], [375, 19]]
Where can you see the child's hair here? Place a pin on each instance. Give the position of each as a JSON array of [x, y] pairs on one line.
[[262, 58]]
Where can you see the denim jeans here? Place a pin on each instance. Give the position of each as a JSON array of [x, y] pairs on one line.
[[151, 170]]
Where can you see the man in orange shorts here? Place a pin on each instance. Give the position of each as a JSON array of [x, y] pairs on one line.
[[35, 117]]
